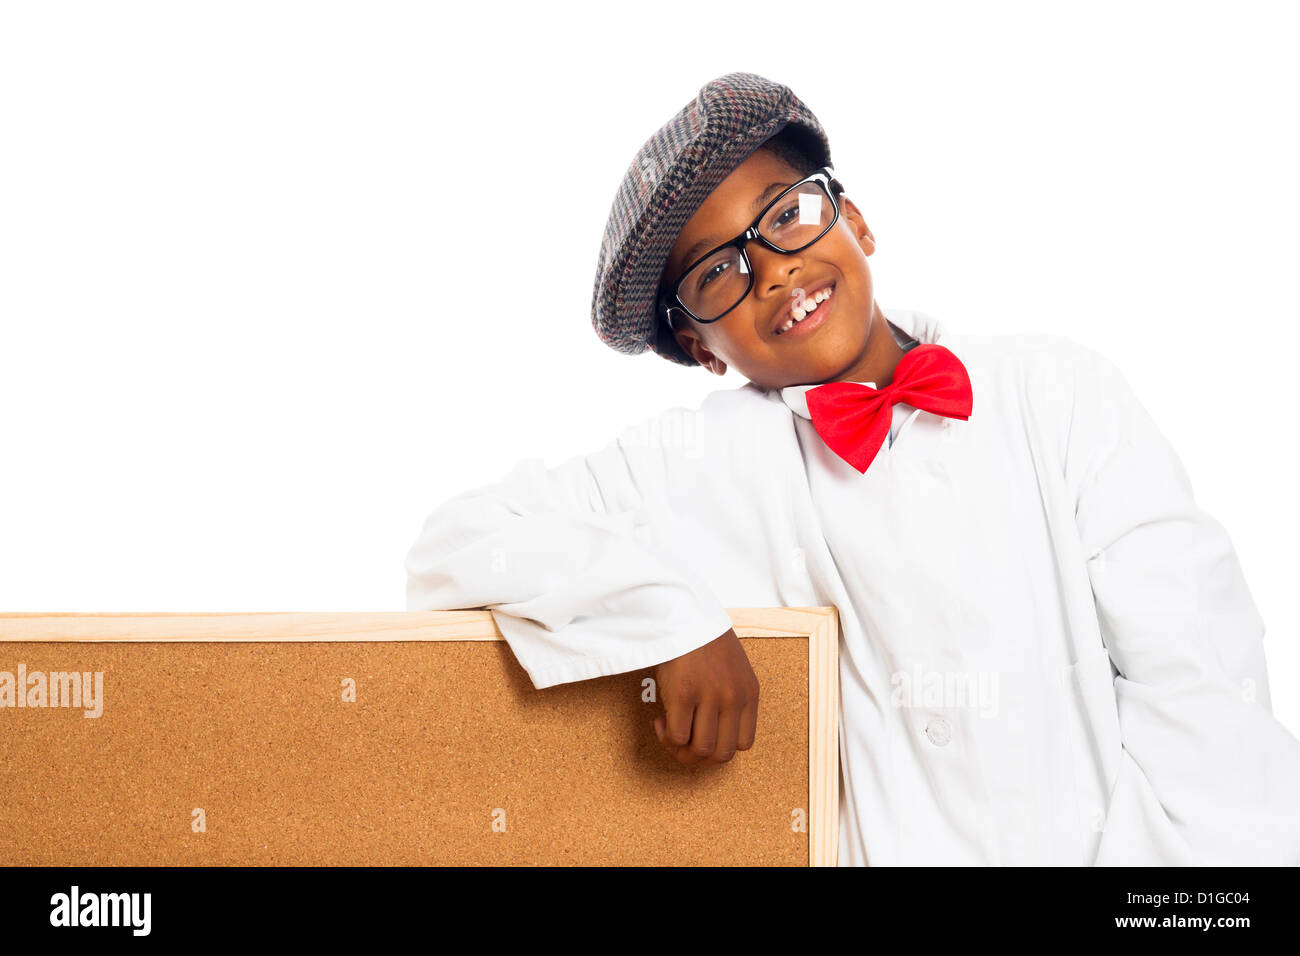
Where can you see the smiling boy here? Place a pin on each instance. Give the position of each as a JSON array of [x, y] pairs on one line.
[[984, 511], [752, 337]]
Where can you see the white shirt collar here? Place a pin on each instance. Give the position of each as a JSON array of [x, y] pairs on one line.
[[904, 325]]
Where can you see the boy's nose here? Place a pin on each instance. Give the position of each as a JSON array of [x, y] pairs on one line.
[[771, 269]]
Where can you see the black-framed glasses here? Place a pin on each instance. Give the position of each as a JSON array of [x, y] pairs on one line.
[[718, 281]]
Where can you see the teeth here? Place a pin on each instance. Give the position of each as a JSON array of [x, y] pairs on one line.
[[809, 304]]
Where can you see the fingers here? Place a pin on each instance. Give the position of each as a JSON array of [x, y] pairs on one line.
[[710, 698], [679, 714], [704, 736], [748, 726], [728, 732], [715, 734]]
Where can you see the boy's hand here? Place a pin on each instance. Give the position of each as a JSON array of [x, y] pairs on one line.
[[710, 699]]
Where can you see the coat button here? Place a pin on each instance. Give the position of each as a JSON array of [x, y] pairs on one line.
[[939, 731]]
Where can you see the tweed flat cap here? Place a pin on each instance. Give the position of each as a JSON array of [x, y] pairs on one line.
[[665, 185]]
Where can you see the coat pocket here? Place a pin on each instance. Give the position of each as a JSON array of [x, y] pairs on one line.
[[1093, 735]]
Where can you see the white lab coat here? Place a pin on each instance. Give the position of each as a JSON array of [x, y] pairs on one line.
[[1049, 654]]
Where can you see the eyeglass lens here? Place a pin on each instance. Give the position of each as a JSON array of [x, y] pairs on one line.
[[719, 282]]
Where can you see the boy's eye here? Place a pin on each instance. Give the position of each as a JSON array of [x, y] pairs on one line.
[[708, 275], [787, 215]]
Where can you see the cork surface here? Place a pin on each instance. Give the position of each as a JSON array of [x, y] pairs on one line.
[[448, 755]]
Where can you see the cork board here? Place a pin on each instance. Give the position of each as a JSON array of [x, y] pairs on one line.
[[409, 738]]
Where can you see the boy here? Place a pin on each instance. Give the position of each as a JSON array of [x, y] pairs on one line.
[[1049, 654]]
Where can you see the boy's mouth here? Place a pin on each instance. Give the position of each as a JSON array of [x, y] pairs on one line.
[[815, 304]]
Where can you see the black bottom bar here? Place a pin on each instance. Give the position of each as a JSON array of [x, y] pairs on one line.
[[922, 906]]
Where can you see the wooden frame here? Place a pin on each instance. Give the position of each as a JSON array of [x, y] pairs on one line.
[[820, 625]]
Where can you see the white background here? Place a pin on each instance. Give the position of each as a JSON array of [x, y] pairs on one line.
[[278, 278]]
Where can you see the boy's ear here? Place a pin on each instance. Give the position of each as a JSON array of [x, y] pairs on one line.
[[850, 211], [696, 349]]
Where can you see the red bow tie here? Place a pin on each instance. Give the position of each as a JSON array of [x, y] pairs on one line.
[[853, 419]]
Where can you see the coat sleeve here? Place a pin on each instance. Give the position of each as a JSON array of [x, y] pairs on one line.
[[562, 559], [1207, 774]]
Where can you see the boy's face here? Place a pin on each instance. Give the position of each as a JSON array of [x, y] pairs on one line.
[[745, 338]]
